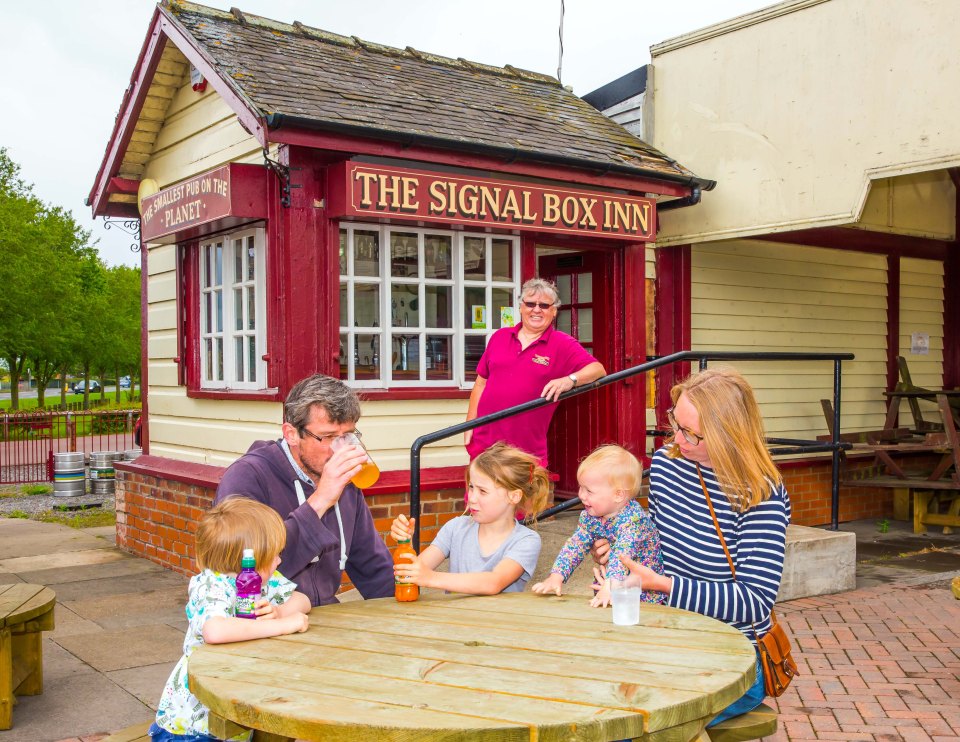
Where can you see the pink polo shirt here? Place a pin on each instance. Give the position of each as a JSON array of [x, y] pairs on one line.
[[515, 376]]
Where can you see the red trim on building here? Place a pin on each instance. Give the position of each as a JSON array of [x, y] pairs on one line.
[[144, 355], [951, 298], [893, 320], [633, 398], [209, 476], [412, 393], [672, 318], [361, 146], [841, 238]]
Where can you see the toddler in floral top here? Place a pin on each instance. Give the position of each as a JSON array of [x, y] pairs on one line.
[[609, 480], [224, 532]]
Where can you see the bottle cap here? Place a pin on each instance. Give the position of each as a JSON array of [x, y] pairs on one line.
[[249, 560]]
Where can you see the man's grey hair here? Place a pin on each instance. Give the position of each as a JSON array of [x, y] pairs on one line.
[[335, 398], [541, 286]]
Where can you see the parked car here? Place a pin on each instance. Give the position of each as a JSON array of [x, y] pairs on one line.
[[81, 386], [124, 382]]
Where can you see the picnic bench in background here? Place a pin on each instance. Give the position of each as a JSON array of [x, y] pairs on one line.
[[935, 492], [25, 611]]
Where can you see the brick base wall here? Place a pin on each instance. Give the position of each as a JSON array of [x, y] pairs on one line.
[[158, 511]]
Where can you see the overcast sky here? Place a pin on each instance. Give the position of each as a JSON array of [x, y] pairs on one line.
[[66, 63]]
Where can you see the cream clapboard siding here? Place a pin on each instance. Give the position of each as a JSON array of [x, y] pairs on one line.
[[201, 133], [921, 310], [759, 296]]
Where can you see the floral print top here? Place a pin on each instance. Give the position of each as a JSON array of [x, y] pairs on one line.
[[210, 594], [630, 532]]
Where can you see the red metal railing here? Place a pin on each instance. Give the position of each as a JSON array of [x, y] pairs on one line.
[[29, 439]]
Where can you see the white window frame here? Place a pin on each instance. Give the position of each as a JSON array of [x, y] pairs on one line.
[[227, 334], [385, 333]]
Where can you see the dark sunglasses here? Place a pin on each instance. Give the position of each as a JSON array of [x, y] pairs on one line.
[[532, 304]]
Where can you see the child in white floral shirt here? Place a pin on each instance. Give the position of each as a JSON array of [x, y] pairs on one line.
[[224, 532]]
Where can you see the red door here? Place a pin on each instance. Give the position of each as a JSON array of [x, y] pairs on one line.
[[591, 295]]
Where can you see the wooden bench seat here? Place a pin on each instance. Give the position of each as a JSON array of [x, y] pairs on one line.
[[925, 492], [136, 733], [25, 611], [759, 723]]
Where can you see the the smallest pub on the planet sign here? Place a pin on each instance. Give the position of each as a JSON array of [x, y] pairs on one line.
[[402, 193], [195, 201]]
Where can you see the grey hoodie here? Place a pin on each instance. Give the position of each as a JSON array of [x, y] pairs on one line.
[[264, 473]]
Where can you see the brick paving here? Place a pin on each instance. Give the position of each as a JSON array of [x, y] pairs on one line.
[[879, 663]]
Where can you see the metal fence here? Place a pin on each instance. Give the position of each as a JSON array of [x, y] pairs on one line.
[[28, 439]]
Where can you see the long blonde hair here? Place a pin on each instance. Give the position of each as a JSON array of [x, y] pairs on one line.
[[235, 524], [733, 433], [513, 469]]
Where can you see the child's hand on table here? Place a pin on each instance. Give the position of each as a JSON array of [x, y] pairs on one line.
[[553, 584]]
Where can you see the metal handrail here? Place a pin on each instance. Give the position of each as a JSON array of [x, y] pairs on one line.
[[702, 357]]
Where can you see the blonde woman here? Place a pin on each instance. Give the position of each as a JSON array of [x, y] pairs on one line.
[[719, 446]]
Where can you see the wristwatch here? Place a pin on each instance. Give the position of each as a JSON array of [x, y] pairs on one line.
[[573, 378]]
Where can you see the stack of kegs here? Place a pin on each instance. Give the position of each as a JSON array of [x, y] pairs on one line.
[[132, 453], [102, 475], [69, 478]]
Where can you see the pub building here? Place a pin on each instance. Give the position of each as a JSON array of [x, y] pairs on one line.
[[311, 202]]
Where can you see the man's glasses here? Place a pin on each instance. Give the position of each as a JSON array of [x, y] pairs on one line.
[[692, 438], [328, 437], [532, 304]]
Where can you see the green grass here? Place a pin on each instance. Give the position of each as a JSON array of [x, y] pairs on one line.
[[36, 489], [53, 397], [91, 518], [18, 514]]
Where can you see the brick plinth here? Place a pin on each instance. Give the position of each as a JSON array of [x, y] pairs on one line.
[[160, 501]]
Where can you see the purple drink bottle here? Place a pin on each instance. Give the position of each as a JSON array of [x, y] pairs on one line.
[[248, 586]]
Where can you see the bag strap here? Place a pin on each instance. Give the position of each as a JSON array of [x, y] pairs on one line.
[[723, 543]]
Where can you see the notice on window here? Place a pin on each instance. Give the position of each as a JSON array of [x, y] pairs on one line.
[[506, 317], [920, 343], [479, 317]]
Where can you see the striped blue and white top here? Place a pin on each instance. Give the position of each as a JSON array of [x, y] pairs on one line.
[[692, 553]]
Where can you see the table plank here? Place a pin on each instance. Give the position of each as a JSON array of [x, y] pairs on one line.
[[20, 602], [515, 666]]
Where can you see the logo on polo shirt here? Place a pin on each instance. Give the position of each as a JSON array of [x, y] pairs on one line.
[[542, 360]]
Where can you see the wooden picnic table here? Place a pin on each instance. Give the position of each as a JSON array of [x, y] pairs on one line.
[[25, 611], [515, 666]]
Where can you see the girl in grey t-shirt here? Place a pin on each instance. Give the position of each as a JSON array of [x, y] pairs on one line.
[[489, 551]]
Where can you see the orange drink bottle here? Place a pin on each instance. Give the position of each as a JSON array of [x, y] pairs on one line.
[[404, 592]]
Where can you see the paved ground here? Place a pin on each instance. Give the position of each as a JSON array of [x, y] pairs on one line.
[[881, 662]]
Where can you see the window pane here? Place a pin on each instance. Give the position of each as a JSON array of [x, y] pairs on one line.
[[403, 254], [218, 264], [563, 321], [342, 357], [474, 267], [343, 305], [473, 347], [343, 252], [438, 357], [205, 267], [208, 313], [366, 254], [503, 308], [218, 346], [239, 357], [218, 312], [238, 311], [252, 358], [238, 261], [585, 325], [502, 260], [251, 259], [585, 288], [406, 364], [208, 358], [439, 306], [404, 305], [474, 307], [367, 360], [251, 308], [366, 305], [563, 287], [437, 253]]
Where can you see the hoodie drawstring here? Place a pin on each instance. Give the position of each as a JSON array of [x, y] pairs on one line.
[[336, 508]]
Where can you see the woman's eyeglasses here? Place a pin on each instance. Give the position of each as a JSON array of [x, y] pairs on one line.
[[329, 437], [692, 438], [532, 304]]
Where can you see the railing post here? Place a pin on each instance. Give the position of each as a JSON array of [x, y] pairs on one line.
[[835, 454], [71, 433], [415, 491]]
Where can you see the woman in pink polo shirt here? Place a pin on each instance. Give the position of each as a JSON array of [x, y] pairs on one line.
[[532, 359]]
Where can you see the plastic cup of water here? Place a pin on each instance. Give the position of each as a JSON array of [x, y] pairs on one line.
[[626, 603], [369, 472]]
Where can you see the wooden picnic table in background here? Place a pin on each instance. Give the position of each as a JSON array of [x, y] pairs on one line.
[[509, 667], [25, 611]]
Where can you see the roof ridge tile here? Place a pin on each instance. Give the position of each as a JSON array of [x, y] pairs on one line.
[[319, 34]]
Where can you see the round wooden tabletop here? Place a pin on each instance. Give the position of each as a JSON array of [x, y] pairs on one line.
[[515, 666], [21, 602]]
